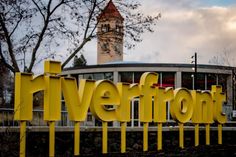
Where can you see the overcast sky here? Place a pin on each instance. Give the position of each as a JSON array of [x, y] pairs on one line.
[[207, 27]]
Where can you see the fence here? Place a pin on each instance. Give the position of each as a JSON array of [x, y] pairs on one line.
[[7, 120]]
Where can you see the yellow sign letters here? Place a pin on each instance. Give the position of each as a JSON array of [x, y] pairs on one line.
[[111, 102]]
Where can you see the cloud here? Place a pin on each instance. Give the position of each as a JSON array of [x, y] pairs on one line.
[[187, 28]]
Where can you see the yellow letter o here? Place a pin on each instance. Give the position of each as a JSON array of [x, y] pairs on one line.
[[182, 105]]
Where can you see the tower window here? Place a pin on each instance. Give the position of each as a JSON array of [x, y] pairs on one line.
[[118, 29], [105, 28]]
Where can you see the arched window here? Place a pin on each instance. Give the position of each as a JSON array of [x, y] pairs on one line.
[[105, 28], [118, 28], [108, 27]]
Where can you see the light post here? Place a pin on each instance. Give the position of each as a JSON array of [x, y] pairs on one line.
[[194, 60]]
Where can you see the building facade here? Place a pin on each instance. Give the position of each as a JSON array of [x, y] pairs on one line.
[[170, 75], [111, 67]]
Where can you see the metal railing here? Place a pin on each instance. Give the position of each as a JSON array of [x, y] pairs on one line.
[[7, 120]]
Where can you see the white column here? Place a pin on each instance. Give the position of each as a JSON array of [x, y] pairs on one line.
[[115, 76], [115, 80], [229, 89], [178, 79]]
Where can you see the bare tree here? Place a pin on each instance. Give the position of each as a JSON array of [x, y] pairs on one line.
[[226, 57], [29, 28]]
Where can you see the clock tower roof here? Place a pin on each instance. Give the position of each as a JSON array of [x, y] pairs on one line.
[[110, 11]]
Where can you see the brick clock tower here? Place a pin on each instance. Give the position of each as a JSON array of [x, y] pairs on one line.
[[110, 34]]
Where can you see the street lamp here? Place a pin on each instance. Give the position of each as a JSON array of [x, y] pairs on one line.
[[194, 60]]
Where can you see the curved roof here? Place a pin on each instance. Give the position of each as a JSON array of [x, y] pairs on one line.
[[140, 64], [123, 62]]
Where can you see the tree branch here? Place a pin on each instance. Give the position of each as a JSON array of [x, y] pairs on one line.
[[75, 52], [4, 60], [89, 19], [37, 46], [33, 58], [94, 28], [39, 9], [9, 44], [16, 25], [58, 5]]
